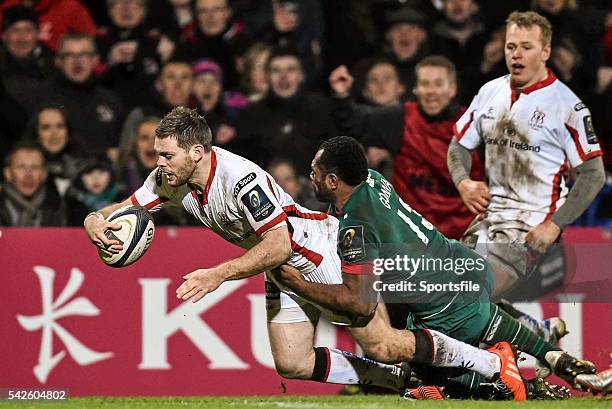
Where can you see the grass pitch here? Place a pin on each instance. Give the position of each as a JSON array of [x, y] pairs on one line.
[[299, 402]]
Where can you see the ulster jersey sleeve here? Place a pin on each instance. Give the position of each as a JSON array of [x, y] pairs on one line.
[[153, 193], [578, 135], [466, 129], [256, 197]]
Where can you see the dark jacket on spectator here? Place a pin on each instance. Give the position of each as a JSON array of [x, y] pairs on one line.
[[223, 49], [45, 208], [130, 79], [292, 128], [24, 77], [13, 120], [94, 112]]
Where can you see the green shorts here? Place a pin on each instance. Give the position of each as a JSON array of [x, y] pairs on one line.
[[468, 315]]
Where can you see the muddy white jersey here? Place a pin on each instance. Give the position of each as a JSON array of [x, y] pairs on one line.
[[240, 202], [530, 137]]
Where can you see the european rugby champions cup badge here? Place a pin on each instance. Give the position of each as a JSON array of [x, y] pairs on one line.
[[258, 203], [351, 243]]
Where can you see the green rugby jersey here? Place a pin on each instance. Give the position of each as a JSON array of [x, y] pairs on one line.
[[377, 226]]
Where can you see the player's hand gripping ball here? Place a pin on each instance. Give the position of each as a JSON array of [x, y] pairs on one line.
[[135, 235]]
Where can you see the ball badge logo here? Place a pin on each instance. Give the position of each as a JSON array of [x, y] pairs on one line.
[[254, 199], [347, 239]]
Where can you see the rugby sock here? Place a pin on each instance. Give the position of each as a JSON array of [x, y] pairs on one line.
[[468, 382], [335, 366], [436, 349], [527, 320], [502, 327]]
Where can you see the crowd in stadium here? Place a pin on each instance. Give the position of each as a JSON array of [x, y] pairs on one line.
[[84, 84]]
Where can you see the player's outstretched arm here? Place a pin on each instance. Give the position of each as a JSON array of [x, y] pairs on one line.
[[95, 225], [273, 250], [353, 297]]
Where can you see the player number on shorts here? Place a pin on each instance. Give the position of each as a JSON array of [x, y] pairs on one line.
[[416, 229]]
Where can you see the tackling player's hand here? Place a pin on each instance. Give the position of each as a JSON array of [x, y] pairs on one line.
[[287, 275], [341, 81], [542, 236], [96, 225], [198, 283], [475, 195]]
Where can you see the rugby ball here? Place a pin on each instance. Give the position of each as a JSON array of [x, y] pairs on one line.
[[135, 235]]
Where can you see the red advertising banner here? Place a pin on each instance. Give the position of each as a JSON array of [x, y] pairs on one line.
[[69, 321]]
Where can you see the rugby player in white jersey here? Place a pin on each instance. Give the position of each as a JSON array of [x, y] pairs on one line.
[[533, 128], [243, 204]]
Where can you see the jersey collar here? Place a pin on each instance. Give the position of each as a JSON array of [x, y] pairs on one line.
[[202, 197], [211, 175], [534, 87]]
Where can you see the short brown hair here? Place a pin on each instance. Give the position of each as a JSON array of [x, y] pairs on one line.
[[437, 61], [77, 37], [528, 19], [187, 127]]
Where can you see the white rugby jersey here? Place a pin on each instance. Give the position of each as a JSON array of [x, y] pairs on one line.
[[530, 137], [240, 202]]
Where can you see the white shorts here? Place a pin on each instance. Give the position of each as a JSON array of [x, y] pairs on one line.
[[283, 305]]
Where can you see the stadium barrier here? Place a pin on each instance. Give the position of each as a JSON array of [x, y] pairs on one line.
[[69, 321]]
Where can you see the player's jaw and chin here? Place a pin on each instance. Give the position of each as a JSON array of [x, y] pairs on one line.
[[182, 174]]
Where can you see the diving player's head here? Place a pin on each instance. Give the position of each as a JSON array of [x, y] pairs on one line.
[[527, 48], [182, 139], [339, 166]]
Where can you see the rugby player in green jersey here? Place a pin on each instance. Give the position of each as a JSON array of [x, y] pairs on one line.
[[387, 247]]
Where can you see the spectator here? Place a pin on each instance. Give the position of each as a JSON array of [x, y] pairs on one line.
[[56, 18], [298, 187], [297, 24], [382, 84], [407, 42], [140, 159], [219, 108], [50, 129], [129, 51], [300, 24], [24, 62], [214, 35], [417, 134], [94, 112], [172, 89], [95, 187], [461, 35], [288, 122], [25, 199], [253, 80]]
